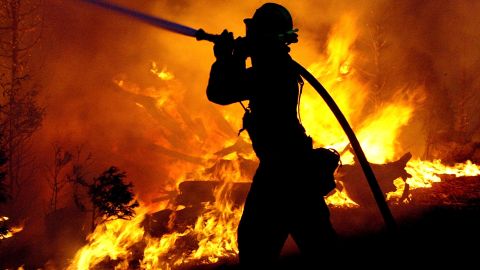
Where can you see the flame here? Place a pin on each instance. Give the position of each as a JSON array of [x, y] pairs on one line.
[[427, 172], [11, 231], [112, 240], [379, 132], [214, 230], [335, 73], [217, 228], [162, 74], [340, 198], [376, 133]]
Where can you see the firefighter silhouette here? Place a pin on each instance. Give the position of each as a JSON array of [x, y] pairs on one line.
[[282, 199]]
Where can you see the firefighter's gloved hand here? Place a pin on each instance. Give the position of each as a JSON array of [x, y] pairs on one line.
[[223, 47], [242, 48]]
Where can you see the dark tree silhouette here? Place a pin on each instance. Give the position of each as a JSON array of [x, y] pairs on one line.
[[3, 174], [78, 177], [56, 178], [111, 197], [20, 115]]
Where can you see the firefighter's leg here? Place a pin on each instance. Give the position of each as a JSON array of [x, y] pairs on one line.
[[261, 234], [313, 232]]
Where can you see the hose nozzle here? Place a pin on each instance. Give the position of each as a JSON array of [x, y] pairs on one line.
[[202, 35]]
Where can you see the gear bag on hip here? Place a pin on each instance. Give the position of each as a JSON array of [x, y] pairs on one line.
[[323, 164]]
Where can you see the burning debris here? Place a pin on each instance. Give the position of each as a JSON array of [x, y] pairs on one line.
[[353, 180], [158, 241]]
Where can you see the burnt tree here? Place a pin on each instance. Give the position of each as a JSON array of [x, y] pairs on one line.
[[57, 178], [20, 115], [78, 177]]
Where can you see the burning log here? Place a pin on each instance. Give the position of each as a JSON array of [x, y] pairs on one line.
[[194, 194], [191, 200], [158, 224], [355, 183]]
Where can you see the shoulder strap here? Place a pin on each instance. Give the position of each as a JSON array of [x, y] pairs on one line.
[[301, 83], [243, 106], [247, 112]]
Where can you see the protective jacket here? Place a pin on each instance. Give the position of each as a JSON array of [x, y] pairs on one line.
[[272, 89]]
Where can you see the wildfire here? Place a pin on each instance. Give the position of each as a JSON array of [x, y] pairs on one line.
[[213, 235]]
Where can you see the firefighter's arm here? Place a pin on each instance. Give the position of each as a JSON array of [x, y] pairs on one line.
[[229, 79]]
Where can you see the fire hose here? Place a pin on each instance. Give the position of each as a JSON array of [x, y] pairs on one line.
[[200, 34]]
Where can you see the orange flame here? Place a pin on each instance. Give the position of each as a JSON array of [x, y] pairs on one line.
[[111, 240], [427, 172], [214, 230]]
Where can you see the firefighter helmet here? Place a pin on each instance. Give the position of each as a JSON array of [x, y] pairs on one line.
[[272, 20]]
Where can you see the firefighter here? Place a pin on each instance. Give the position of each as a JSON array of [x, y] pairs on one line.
[[281, 200]]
